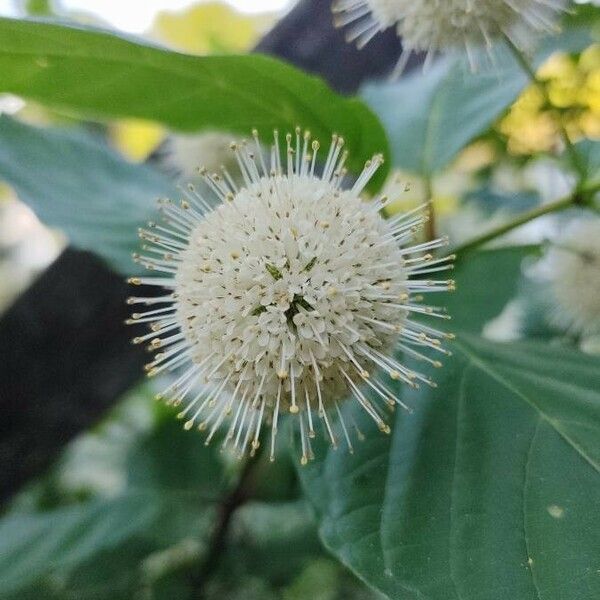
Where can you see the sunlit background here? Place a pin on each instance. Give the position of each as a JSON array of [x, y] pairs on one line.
[[137, 17]]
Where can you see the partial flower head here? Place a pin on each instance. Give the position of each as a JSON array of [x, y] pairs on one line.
[[181, 153], [572, 266], [287, 294], [438, 25]]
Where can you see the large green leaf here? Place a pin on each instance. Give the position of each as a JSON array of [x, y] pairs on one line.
[[431, 116], [485, 282], [75, 182], [107, 75], [490, 490]]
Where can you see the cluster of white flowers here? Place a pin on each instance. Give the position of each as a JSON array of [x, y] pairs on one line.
[[572, 266], [285, 294], [434, 25]]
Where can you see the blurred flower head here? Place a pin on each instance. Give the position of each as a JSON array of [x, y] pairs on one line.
[[439, 25], [572, 266], [286, 294], [183, 152]]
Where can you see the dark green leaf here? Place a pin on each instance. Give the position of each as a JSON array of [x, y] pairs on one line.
[[491, 489], [173, 461], [431, 116], [485, 282], [102, 74], [75, 182]]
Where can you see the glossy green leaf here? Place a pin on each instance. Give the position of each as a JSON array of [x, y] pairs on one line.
[[431, 116], [491, 489], [76, 183], [99, 73]]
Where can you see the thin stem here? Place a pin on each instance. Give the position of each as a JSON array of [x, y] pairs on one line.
[[580, 198], [229, 505], [527, 68], [539, 211]]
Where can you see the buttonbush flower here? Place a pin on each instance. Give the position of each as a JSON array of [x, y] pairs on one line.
[[572, 266], [286, 294], [439, 25]]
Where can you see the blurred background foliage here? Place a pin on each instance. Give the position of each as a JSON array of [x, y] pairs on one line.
[[137, 496]]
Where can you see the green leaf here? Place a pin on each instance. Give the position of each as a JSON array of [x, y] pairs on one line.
[[431, 116], [176, 462], [92, 71], [76, 183], [491, 489], [32, 546], [485, 282]]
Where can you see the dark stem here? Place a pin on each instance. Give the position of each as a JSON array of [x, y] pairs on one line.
[[507, 227], [583, 197], [242, 492]]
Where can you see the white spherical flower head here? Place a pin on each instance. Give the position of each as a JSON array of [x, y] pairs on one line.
[[573, 267], [434, 25], [287, 295]]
